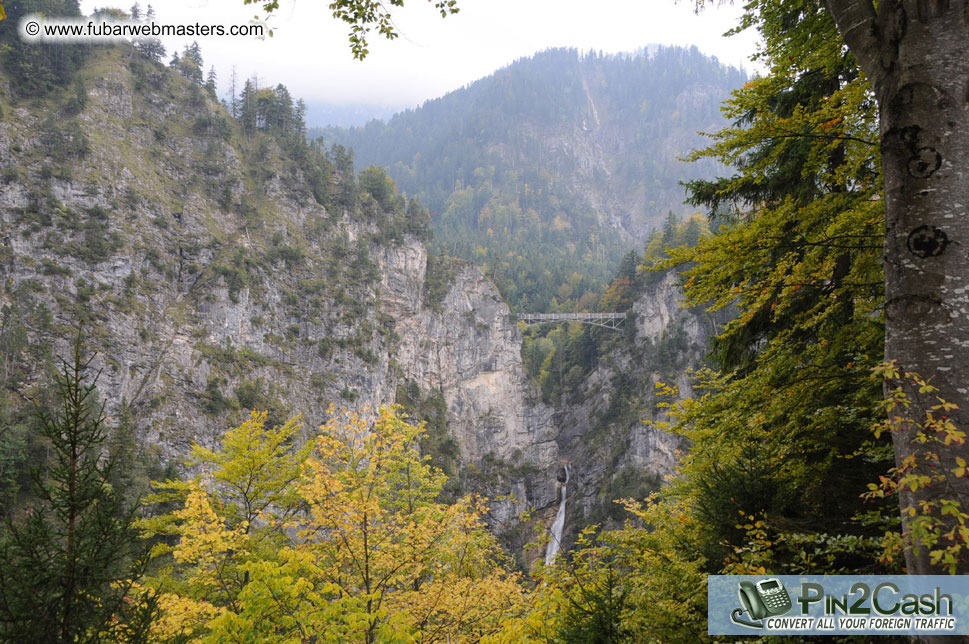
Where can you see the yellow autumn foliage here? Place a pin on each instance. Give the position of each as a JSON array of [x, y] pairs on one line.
[[342, 540]]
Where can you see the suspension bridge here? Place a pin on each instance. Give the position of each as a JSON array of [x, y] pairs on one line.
[[605, 320]]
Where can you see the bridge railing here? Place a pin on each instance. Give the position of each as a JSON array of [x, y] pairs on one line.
[[608, 320]]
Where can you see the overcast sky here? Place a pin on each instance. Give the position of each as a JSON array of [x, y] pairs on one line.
[[309, 52]]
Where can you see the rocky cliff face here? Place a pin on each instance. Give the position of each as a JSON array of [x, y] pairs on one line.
[[606, 432], [467, 346], [210, 282]]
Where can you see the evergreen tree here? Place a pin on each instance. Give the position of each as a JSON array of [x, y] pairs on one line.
[[151, 48], [210, 82], [247, 107], [524, 214], [69, 561], [190, 65], [37, 68], [669, 229], [778, 433], [233, 96], [692, 231]]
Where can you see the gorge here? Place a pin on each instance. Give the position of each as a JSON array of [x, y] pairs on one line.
[[215, 271]]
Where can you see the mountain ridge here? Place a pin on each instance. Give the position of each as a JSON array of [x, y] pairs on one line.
[[573, 153], [220, 265]]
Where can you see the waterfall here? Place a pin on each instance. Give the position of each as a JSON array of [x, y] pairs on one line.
[[555, 542]]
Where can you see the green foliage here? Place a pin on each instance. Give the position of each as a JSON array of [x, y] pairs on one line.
[[69, 560], [24, 363], [503, 198], [13, 447], [375, 182], [558, 357], [628, 483], [240, 270], [438, 278], [64, 141], [36, 69], [291, 256], [675, 233], [99, 242], [267, 545], [76, 103], [254, 394], [214, 401], [366, 16], [598, 596], [781, 448], [215, 126], [272, 110], [437, 443]]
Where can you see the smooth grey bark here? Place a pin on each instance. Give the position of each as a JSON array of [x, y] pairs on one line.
[[916, 55]]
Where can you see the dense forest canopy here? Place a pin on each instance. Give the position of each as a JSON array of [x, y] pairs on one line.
[[793, 466], [546, 173]]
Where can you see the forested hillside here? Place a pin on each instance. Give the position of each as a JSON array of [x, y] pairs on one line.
[[240, 401], [547, 172], [213, 262]]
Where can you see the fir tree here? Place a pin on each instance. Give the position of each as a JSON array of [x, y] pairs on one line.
[[247, 107], [210, 82], [151, 48], [69, 559], [190, 65], [300, 119]]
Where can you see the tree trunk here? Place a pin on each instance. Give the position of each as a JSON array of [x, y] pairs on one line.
[[916, 55]]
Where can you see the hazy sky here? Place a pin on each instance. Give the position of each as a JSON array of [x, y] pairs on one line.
[[309, 51]]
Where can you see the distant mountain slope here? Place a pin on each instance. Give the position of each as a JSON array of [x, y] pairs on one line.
[[547, 171], [320, 114]]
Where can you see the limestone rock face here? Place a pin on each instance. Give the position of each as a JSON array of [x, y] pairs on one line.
[[606, 432], [468, 349], [210, 281], [467, 346]]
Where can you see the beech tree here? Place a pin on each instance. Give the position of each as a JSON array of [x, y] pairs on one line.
[[343, 540], [913, 54], [366, 16], [916, 57]]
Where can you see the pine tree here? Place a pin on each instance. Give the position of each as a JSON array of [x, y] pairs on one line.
[[299, 118], [799, 257], [69, 559], [669, 229]]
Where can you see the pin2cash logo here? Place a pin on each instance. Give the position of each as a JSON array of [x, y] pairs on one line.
[[883, 607], [765, 598]]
